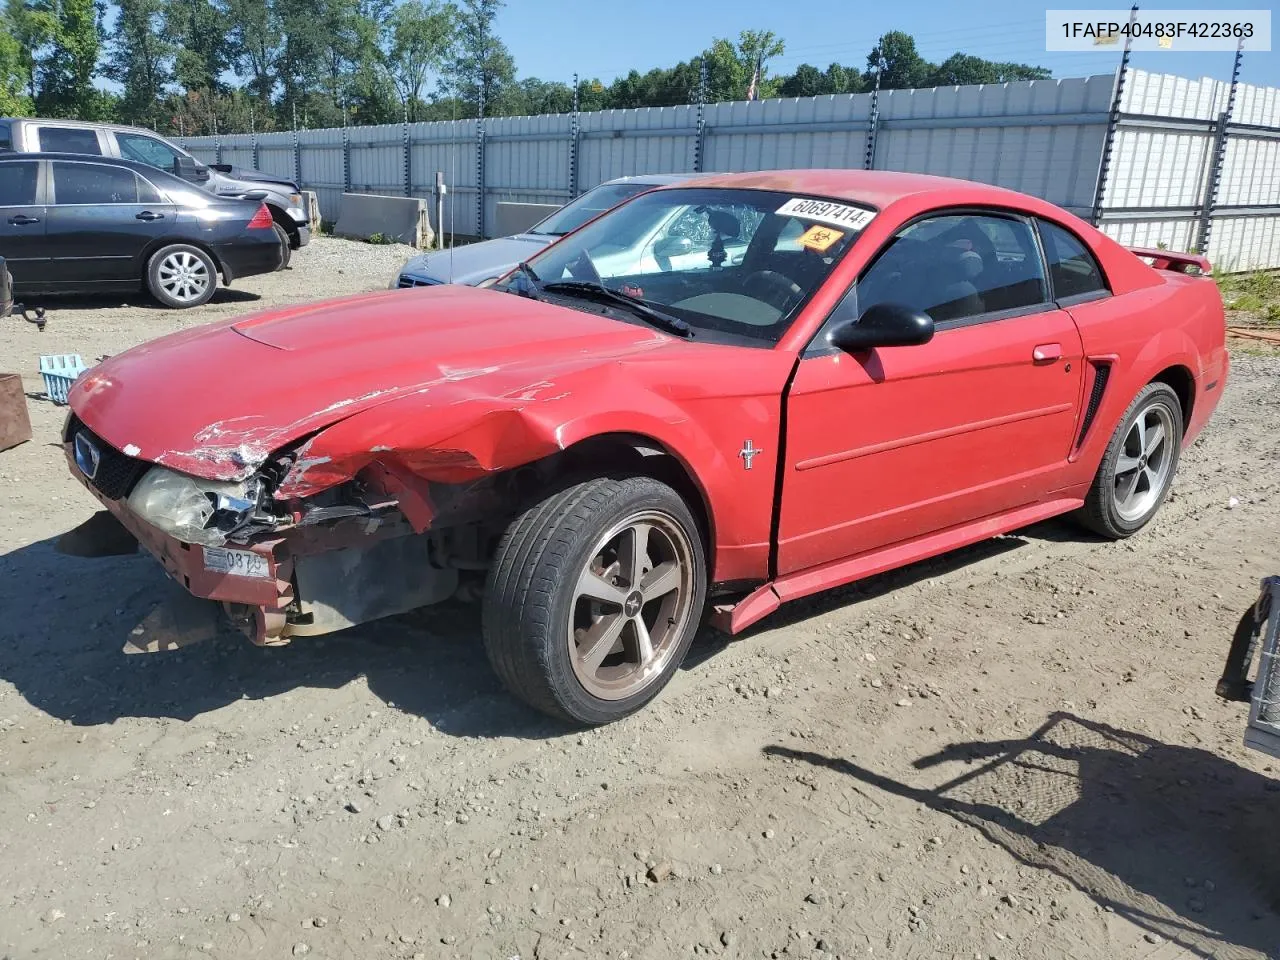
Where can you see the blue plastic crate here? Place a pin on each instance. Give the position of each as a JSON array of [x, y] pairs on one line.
[[60, 371]]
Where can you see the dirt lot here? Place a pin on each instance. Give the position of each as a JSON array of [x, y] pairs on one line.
[[1011, 752]]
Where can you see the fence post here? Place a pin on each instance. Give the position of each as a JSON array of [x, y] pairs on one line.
[[480, 169], [408, 153], [873, 122], [346, 157], [1113, 121], [699, 140], [253, 139], [297, 150], [1219, 159], [573, 142]]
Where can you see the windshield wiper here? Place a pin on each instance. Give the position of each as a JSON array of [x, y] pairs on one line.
[[640, 308]]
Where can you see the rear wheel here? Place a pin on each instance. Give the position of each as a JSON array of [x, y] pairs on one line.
[[181, 276], [1139, 464], [594, 597], [286, 251]]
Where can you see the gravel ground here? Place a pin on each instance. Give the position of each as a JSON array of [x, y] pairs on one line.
[[1013, 751]]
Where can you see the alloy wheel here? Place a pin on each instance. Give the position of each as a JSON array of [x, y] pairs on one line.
[[631, 605], [1144, 464], [184, 276]]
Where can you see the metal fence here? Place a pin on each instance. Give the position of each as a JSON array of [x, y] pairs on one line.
[[1151, 158]]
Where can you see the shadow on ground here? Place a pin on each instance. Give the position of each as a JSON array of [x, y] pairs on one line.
[[1181, 842], [65, 620], [72, 302]]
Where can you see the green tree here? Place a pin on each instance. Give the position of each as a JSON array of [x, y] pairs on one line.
[[200, 31], [901, 66], [482, 66], [140, 58], [15, 69], [254, 44], [807, 81], [420, 39], [66, 62], [755, 49], [961, 68]]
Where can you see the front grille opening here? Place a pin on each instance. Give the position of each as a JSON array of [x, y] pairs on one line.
[[117, 474], [1101, 374], [406, 281]]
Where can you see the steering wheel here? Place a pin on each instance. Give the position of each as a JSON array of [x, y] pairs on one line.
[[586, 265], [773, 287]]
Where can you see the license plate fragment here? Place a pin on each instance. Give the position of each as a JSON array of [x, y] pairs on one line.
[[237, 563]]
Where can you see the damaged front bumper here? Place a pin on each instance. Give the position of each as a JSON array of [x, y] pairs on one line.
[[305, 580]]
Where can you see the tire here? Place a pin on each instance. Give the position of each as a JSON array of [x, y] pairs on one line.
[[181, 276], [541, 618], [285, 250], [1127, 492]]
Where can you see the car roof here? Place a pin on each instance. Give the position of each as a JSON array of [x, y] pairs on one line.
[[879, 188], [145, 169], [657, 179], [80, 124], [157, 176]]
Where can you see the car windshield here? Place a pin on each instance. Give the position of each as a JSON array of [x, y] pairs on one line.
[[591, 204], [740, 263]]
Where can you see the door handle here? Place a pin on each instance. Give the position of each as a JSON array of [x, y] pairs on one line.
[[1047, 352], [22, 220], [148, 215]]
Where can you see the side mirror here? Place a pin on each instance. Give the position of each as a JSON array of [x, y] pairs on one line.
[[189, 170], [884, 325], [672, 246]]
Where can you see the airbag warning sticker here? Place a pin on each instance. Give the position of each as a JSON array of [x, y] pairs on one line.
[[825, 211], [820, 238]]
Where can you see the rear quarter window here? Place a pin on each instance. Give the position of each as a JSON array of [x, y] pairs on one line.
[[1072, 268], [68, 140]]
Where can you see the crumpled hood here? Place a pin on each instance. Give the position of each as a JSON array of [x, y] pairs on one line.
[[215, 401], [473, 263]]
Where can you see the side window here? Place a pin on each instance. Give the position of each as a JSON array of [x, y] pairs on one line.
[[148, 150], [147, 193], [93, 183], [18, 184], [68, 140], [956, 266], [1071, 265], [6, 136]]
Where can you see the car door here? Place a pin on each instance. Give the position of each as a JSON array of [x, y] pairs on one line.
[[101, 219], [894, 443], [23, 221]]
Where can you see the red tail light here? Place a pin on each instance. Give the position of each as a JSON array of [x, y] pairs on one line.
[[261, 220]]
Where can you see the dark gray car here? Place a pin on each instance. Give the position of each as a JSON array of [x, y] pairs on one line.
[[475, 263], [281, 195]]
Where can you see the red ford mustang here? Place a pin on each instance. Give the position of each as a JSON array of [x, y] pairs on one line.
[[720, 395]]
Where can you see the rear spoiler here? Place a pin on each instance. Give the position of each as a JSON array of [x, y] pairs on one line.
[[1169, 260]]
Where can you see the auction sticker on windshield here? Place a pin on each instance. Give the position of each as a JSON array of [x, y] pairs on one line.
[[239, 563], [825, 211]]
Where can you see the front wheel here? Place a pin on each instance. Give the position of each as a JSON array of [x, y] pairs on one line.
[[594, 597], [181, 276], [1138, 466]]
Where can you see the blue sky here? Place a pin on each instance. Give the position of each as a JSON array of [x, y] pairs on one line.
[[552, 39]]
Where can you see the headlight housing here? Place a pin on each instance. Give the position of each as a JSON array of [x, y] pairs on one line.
[[199, 511]]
